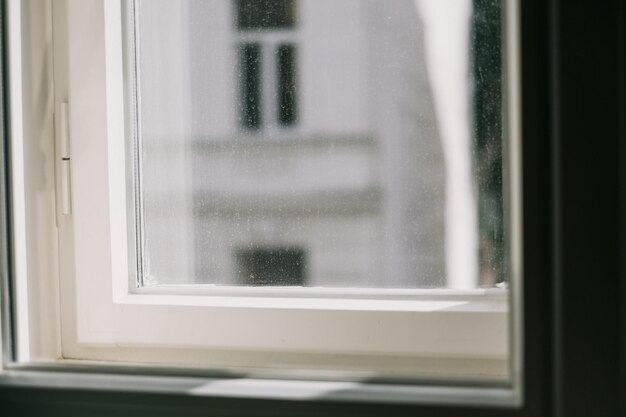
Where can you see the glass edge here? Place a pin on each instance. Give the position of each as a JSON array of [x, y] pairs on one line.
[[513, 187], [133, 144], [7, 312]]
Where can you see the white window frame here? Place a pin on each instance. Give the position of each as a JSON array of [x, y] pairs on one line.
[[430, 334]]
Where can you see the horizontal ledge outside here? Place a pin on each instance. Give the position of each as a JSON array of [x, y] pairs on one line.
[[109, 379]]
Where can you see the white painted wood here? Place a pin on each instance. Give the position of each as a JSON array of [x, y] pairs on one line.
[[33, 191], [18, 186], [103, 320]]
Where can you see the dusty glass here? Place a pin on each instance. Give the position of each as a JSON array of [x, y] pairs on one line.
[[318, 143]]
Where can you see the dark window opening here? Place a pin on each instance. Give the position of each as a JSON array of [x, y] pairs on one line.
[[250, 103], [265, 14], [277, 266], [287, 111], [486, 43]]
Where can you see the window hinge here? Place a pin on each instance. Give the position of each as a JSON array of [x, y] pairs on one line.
[[64, 159]]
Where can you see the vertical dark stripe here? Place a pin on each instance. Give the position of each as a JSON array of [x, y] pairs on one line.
[[7, 291], [287, 99], [537, 206], [250, 56], [621, 21], [586, 136], [486, 61]]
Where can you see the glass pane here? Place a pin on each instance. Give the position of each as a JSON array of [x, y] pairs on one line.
[[349, 143]]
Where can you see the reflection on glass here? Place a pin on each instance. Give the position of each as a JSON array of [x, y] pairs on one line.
[[320, 143]]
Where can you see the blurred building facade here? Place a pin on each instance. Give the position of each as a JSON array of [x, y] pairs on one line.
[[300, 142]]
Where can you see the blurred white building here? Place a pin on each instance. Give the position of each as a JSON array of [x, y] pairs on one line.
[[289, 142]]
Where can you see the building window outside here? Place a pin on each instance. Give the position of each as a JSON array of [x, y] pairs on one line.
[[352, 201], [266, 14], [287, 89], [277, 266], [267, 63], [251, 62]]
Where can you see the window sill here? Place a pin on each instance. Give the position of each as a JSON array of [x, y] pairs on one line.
[[432, 335], [64, 376]]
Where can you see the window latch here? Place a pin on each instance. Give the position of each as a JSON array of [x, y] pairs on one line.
[[64, 159]]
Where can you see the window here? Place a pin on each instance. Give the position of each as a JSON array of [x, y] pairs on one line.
[[272, 266], [287, 91], [569, 373], [268, 61], [147, 271], [251, 85], [376, 184], [264, 14]]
